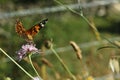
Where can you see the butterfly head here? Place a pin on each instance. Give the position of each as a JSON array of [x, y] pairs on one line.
[[43, 22]]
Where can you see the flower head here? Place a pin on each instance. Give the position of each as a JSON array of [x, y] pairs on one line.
[[27, 48], [37, 78]]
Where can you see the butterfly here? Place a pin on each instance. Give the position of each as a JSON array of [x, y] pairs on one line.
[[30, 33]]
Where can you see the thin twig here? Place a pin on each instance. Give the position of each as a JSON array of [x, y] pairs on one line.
[[97, 34], [63, 64]]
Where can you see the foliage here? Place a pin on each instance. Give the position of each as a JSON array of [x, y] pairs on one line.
[[62, 27]]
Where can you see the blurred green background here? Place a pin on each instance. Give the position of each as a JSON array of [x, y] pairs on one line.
[[62, 27]]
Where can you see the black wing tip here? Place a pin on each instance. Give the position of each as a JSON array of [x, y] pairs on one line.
[[44, 21]]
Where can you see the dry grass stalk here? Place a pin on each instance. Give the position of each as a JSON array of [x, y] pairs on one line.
[[94, 29], [90, 78], [57, 76], [76, 49], [117, 43]]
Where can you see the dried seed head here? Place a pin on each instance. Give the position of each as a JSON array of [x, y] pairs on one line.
[[90, 78], [117, 43], [114, 65], [76, 49], [48, 44], [45, 61]]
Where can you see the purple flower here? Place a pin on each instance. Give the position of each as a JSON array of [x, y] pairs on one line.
[[37, 78], [27, 48]]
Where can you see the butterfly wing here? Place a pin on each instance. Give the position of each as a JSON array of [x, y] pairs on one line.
[[28, 34], [36, 28], [19, 28]]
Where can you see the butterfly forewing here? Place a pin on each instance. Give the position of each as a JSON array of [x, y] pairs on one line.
[[19, 28], [28, 34]]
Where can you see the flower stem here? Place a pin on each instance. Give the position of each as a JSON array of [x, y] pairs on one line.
[[34, 67], [17, 64], [63, 64]]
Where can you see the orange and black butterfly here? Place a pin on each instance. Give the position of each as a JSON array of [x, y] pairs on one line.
[[30, 33]]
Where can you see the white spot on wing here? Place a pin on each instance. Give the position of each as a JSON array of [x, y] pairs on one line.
[[42, 24]]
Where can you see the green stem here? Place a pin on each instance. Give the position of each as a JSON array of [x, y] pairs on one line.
[[33, 66], [63, 64], [96, 32], [17, 64]]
